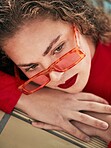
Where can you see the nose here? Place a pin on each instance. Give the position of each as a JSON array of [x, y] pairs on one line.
[[56, 76]]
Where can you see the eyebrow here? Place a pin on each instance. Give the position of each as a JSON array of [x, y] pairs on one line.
[[51, 45], [45, 53]]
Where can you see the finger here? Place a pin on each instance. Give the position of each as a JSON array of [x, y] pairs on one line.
[[89, 120], [72, 130], [43, 125], [91, 97], [95, 107], [89, 130]]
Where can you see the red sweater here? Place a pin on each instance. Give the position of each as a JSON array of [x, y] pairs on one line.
[[109, 146], [9, 94], [100, 76]]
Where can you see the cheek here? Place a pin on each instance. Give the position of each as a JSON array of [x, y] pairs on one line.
[[84, 65], [85, 71], [87, 60], [88, 64], [83, 68]]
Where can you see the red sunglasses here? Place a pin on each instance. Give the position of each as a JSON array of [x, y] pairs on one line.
[[64, 63]]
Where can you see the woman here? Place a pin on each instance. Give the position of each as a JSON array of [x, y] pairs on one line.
[[54, 43]]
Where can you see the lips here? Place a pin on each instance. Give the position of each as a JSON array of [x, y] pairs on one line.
[[68, 83]]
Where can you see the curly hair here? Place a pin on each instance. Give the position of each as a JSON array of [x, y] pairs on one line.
[[89, 20]]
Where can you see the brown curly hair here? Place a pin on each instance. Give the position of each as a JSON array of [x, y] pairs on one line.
[[89, 20]]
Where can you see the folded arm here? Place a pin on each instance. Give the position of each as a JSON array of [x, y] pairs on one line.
[[55, 109]]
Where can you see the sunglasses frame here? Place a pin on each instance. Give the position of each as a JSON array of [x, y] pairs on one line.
[[52, 67]]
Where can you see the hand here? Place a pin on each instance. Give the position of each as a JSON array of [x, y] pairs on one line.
[[91, 131], [55, 109]]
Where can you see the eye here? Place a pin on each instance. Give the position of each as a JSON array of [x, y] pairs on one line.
[[31, 68], [58, 49]]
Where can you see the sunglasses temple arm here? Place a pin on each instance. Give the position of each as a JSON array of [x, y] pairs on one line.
[[77, 37]]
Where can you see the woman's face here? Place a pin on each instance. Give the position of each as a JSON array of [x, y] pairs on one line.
[[39, 43]]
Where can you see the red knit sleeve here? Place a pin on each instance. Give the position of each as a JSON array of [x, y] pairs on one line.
[[9, 94], [109, 146]]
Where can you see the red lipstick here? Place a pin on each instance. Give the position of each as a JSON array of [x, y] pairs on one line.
[[68, 83]]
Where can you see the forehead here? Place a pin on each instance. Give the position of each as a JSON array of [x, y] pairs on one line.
[[35, 35]]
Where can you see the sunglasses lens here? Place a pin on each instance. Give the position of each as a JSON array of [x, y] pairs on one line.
[[69, 60], [37, 82]]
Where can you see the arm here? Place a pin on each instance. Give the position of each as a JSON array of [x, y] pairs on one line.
[[55, 109], [9, 94]]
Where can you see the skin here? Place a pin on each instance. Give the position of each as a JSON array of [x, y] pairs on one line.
[[30, 43], [105, 135], [33, 47], [64, 109]]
